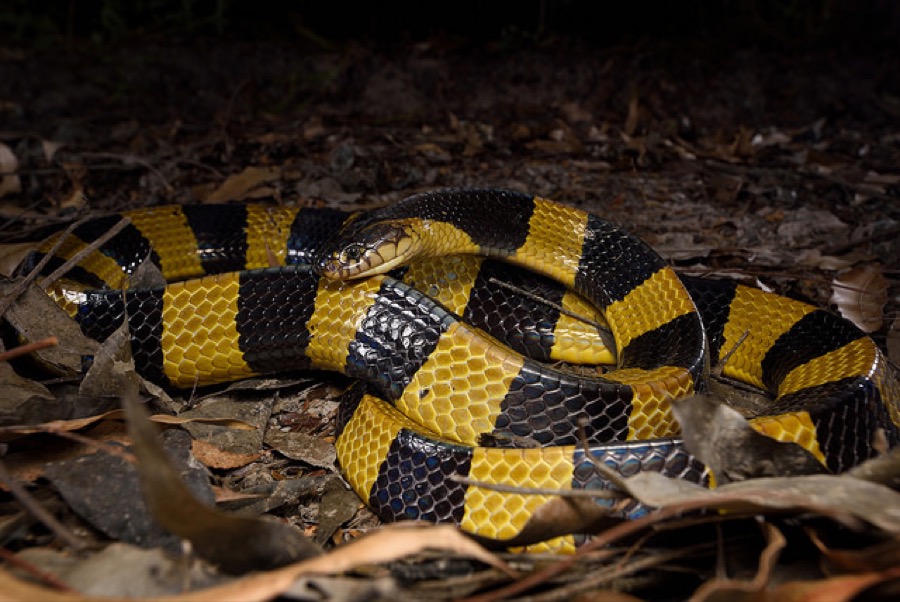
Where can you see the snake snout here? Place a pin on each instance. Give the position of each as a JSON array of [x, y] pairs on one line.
[[373, 250]]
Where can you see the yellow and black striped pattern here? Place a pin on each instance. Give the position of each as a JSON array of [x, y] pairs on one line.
[[438, 386]]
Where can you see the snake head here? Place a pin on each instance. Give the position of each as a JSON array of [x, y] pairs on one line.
[[362, 250]]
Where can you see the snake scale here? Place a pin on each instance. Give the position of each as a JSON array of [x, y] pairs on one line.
[[435, 383]]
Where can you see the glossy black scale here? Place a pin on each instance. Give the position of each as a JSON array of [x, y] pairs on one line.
[[544, 406], [521, 322], [274, 308]]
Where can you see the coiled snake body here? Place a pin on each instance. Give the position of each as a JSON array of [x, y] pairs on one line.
[[436, 384]]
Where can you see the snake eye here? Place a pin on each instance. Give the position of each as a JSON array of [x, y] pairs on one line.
[[353, 252]]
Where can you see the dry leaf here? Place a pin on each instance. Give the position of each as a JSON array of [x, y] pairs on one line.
[[236, 544], [215, 457], [388, 544], [893, 342], [50, 148], [723, 440], [75, 199], [16, 431], [860, 295], [239, 186], [9, 165], [879, 556], [34, 317], [844, 499], [574, 114]]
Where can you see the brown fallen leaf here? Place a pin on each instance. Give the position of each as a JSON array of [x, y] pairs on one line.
[[893, 341], [34, 316], [847, 500], [860, 295], [17, 394], [300, 446], [723, 440], [216, 457], [118, 571], [18, 430], [385, 545], [50, 148], [239, 186], [236, 544], [9, 165]]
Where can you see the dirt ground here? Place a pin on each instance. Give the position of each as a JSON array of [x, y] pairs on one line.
[[776, 166]]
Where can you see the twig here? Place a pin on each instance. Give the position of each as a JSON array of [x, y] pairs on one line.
[[39, 574], [599, 541], [875, 236], [92, 444], [125, 158], [604, 575], [18, 217], [548, 303], [721, 363], [571, 493], [68, 265], [21, 350], [19, 287], [599, 467], [605, 333]]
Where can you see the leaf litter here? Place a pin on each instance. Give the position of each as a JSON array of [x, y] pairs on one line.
[[805, 206]]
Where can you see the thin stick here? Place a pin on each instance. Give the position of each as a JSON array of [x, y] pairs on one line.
[[555, 306], [68, 265], [134, 159], [21, 350], [19, 287], [607, 574], [874, 237], [731, 351], [48, 578], [599, 467], [571, 493]]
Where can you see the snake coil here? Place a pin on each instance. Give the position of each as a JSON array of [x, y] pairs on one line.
[[435, 384]]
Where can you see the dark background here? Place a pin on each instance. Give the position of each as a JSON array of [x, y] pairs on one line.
[[767, 22]]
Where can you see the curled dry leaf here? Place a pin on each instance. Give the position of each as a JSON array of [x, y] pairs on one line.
[[386, 545], [860, 295], [849, 501], [15, 431]]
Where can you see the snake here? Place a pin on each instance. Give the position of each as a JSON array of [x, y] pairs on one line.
[[255, 289]]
